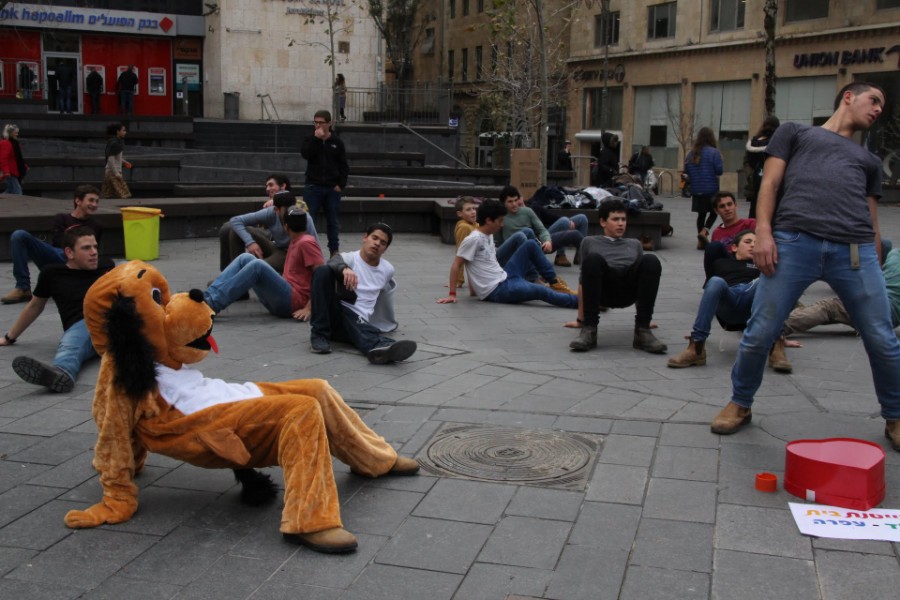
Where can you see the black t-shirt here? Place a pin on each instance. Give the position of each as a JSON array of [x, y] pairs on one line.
[[67, 287], [64, 221], [735, 271]]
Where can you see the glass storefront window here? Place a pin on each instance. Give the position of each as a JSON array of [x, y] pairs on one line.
[[593, 108]]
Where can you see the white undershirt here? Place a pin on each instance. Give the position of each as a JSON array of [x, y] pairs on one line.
[[189, 391]]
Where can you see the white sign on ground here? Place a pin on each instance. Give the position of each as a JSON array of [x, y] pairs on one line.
[[846, 524]]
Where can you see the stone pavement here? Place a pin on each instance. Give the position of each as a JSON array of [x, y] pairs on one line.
[[630, 495]]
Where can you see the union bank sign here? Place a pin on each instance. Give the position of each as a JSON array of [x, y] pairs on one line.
[[844, 58]]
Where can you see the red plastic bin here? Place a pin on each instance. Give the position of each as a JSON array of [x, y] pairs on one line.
[[836, 471]]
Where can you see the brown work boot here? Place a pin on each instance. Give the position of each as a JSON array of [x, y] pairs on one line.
[[693, 356], [646, 243], [586, 340], [562, 287], [336, 540], [892, 432], [16, 296], [703, 239], [778, 359], [646, 341], [561, 261], [730, 419]]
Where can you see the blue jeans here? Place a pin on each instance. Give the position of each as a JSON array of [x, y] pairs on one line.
[[13, 185], [802, 260], [24, 247], [332, 320], [126, 102], [65, 99], [511, 244], [516, 289], [730, 304], [564, 236], [74, 349], [245, 273], [325, 197]]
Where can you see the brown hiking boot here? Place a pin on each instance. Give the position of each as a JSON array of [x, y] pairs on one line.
[[562, 287], [561, 261], [693, 356], [778, 359], [16, 296], [703, 239], [892, 432], [646, 341], [336, 540], [730, 419], [586, 340]]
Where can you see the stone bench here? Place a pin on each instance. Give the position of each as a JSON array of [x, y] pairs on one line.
[[647, 224]]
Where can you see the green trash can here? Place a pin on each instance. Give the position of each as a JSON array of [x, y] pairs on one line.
[[140, 224]]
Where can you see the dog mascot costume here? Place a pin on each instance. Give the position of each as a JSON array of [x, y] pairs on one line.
[[147, 400]]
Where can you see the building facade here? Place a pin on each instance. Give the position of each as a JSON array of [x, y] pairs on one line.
[[162, 40], [273, 56], [674, 67]]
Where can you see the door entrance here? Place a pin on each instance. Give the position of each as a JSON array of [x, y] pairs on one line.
[[63, 87]]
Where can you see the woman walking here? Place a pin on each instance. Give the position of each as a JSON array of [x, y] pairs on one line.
[[340, 90], [754, 159], [114, 185], [12, 163], [703, 165]]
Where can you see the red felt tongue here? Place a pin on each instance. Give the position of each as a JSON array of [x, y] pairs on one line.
[[212, 344]]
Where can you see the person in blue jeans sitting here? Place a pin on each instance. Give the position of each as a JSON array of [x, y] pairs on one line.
[[67, 284], [25, 246], [825, 227], [506, 284], [285, 295]]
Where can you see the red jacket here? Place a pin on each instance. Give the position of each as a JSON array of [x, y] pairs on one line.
[[8, 163]]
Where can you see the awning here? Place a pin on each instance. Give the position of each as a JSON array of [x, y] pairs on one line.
[[593, 135]]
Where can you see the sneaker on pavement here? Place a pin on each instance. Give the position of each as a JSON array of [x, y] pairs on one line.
[[319, 345], [392, 352], [49, 376], [16, 296]]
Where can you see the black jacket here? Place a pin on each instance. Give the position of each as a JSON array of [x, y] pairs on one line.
[[326, 161]]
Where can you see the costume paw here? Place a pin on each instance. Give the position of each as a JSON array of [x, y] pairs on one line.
[[107, 511]]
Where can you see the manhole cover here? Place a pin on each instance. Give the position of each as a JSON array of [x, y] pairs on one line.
[[505, 454]]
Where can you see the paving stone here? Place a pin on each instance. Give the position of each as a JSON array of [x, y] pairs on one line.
[[850, 575], [58, 449], [628, 450], [385, 582], [747, 576], [48, 422], [276, 590], [618, 483], [189, 477], [593, 575], [681, 500], [69, 474], [641, 428], [860, 546], [13, 443], [687, 434], [164, 509], [118, 587], [674, 545], [39, 529], [583, 424], [649, 582], [10, 558], [15, 473], [180, 557], [489, 582], [545, 503], [526, 542], [378, 511], [308, 568], [695, 464], [461, 500], [27, 590], [231, 577], [22, 500], [512, 419], [85, 558], [435, 545], [606, 527], [760, 530]]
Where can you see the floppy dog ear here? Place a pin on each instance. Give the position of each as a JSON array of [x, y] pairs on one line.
[[132, 353]]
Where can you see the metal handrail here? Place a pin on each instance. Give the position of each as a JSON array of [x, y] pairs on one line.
[[264, 113], [430, 143]]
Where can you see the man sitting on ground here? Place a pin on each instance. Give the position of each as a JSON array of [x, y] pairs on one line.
[[24, 246], [724, 205], [67, 284], [505, 284], [244, 232], [353, 301], [519, 217], [616, 273], [728, 296], [283, 296]]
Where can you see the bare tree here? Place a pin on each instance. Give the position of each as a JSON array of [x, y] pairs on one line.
[[770, 14], [402, 30], [527, 70], [682, 123]]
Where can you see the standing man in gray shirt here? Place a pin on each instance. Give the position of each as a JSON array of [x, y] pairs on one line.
[[825, 228], [616, 273]]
